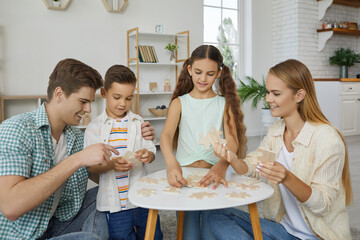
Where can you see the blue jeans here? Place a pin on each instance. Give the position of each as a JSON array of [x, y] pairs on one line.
[[192, 228], [88, 223], [232, 223], [131, 224]]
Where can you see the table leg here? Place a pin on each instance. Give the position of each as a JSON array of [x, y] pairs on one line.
[[255, 221], [180, 225], [151, 224]]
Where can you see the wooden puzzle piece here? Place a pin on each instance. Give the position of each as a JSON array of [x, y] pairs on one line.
[[238, 195], [232, 183], [130, 158], [201, 195], [252, 186], [266, 156], [171, 190], [252, 180], [242, 186], [193, 181], [212, 136], [146, 192], [164, 180], [148, 180]]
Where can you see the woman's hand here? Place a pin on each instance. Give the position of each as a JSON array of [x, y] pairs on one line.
[[174, 175], [121, 165], [222, 152], [275, 173]]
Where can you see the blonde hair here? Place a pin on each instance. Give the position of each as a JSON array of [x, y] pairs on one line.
[[297, 76]]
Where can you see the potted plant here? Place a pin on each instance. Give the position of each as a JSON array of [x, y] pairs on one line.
[[172, 48], [256, 92], [344, 58]]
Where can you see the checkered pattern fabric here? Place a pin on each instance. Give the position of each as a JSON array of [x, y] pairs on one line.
[[26, 150]]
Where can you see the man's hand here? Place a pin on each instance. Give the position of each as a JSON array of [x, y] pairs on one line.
[[147, 131], [96, 154]]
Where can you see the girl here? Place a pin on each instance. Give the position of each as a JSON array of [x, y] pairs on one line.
[[195, 108], [310, 175]]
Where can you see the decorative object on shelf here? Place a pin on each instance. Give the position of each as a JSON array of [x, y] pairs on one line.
[[344, 58], [256, 92], [118, 6], [167, 86], [159, 28], [86, 119], [56, 3], [153, 86], [159, 112], [172, 48]]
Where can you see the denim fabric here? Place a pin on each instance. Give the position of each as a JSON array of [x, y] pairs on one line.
[[235, 224], [193, 230], [87, 224], [131, 224]]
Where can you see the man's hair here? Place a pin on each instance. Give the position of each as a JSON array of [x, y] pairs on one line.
[[119, 74], [71, 75]]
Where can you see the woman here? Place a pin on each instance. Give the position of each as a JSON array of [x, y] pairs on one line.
[[310, 175]]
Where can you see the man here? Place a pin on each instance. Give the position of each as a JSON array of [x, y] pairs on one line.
[[43, 175]]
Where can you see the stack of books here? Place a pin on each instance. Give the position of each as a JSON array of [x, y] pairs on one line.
[[147, 54]]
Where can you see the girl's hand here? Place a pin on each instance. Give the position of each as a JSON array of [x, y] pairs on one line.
[[275, 173], [174, 175], [222, 152], [216, 175], [121, 165], [143, 155]]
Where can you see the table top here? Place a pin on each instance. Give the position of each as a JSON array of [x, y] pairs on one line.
[[157, 182]]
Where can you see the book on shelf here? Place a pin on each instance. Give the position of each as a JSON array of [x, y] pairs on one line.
[[147, 54]]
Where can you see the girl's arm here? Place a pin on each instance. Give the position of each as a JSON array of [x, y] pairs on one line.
[[174, 172], [218, 171]]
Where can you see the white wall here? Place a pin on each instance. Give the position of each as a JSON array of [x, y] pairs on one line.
[[36, 38]]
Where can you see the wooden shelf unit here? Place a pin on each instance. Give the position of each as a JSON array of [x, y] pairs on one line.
[[341, 31], [337, 79], [63, 5], [350, 3]]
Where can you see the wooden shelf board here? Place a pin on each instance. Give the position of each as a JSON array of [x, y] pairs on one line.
[[341, 31], [350, 3], [21, 97], [337, 79]]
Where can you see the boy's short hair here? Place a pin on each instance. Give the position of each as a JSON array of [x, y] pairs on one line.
[[71, 75], [119, 74]]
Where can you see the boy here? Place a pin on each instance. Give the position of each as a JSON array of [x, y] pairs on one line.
[[120, 128]]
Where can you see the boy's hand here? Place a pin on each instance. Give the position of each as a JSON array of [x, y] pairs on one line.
[[121, 165], [147, 131], [144, 155]]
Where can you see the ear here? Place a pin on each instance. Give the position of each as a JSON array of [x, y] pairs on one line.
[[300, 95], [58, 94], [103, 92], [219, 73], [189, 70]]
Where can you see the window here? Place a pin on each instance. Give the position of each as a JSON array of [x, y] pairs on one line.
[[221, 29]]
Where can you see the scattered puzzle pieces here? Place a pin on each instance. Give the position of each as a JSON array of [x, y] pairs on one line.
[[193, 181], [266, 156], [146, 192], [171, 190], [238, 195], [201, 195], [252, 180], [232, 183], [148, 180], [130, 158], [211, 138], [252, 186], [242, 186], [164, 180]]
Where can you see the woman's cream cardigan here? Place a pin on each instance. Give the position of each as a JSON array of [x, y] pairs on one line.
[[318, 161]]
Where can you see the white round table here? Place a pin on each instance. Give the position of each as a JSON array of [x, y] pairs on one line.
[[182, 202]]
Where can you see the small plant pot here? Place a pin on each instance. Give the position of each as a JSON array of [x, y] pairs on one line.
[[344, 72], [172, 57]]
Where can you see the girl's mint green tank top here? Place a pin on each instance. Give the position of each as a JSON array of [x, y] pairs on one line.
[[198, 116]]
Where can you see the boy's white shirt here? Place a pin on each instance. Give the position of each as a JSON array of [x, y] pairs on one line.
[[98, 131]]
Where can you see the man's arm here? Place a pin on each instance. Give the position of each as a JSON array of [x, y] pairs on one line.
[[19, 195]]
